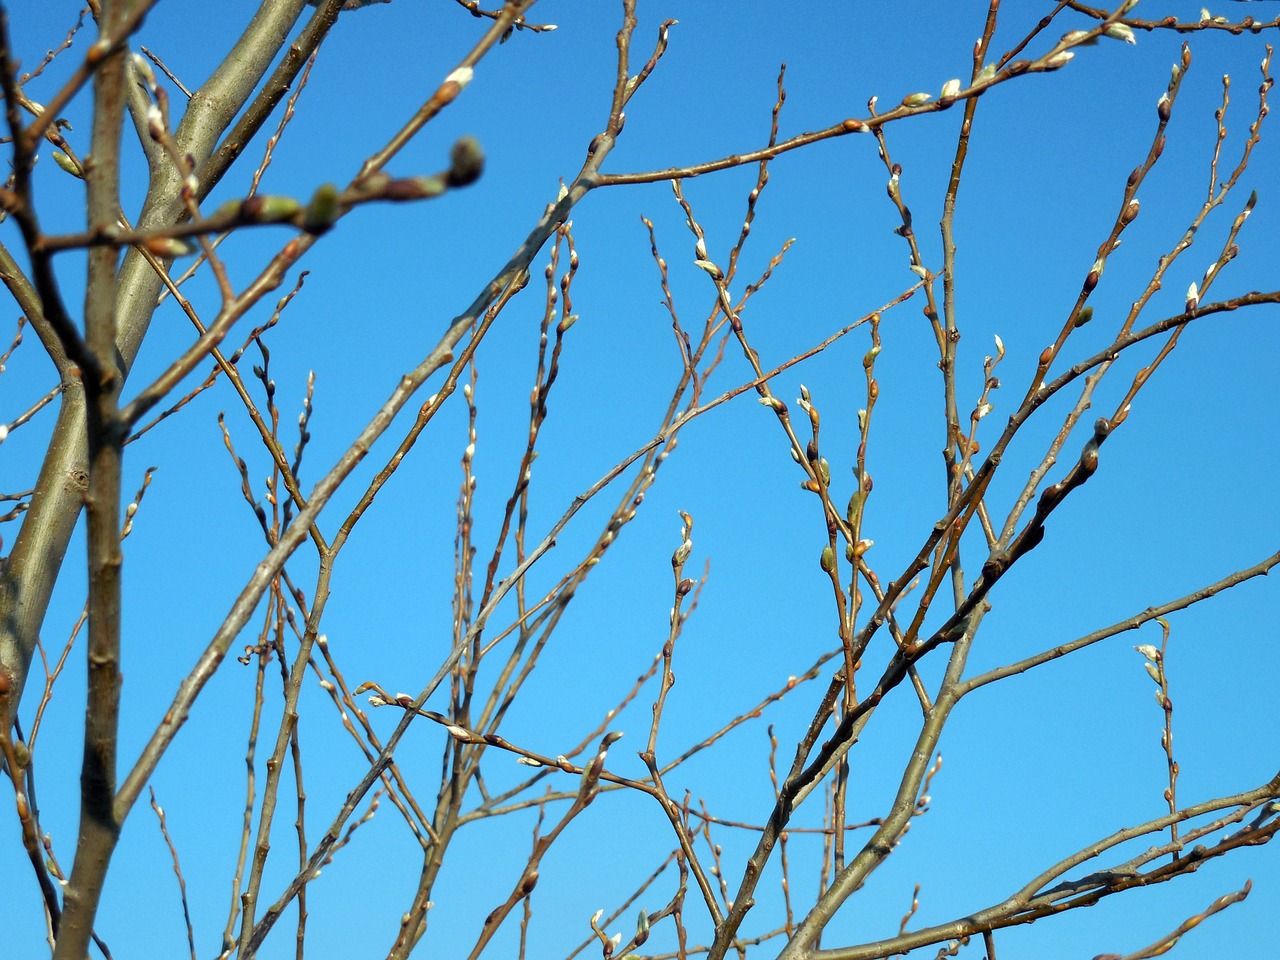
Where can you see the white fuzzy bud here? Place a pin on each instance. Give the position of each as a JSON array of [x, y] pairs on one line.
[[462, 76]]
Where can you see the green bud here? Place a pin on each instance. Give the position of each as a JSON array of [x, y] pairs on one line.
[[323, 210], [270, 209], [642, 927], [414, 188], [169, 247], [466, 162], [373, 184], [855, 505], [67, 164]]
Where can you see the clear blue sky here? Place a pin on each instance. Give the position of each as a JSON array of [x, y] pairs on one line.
[[1034, 768]]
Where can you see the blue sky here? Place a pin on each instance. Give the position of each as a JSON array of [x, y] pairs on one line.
[[1035, 767]]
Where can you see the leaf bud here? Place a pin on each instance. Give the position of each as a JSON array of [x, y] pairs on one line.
[[168, 247], [143, 69], [270, 209], [466, 162], [462, 76], [682, 553], [414, 188], [323, 210], [67, 164], [1094, 275], [642, 928], [1121, 31]]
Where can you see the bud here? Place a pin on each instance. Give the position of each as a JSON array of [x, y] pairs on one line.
[[1193, 297], [828, 560], [710, 267], [168, 247], [323, 210], [1130, 212], [414, 188], [1121, 31], [155, 123], [1059, 60], [1095, 273], [270, 209], [916, 99], [462, 76], [143, 69], [1150, 651], [642, 928], [466, 162], [950, 90], [67, 164]]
